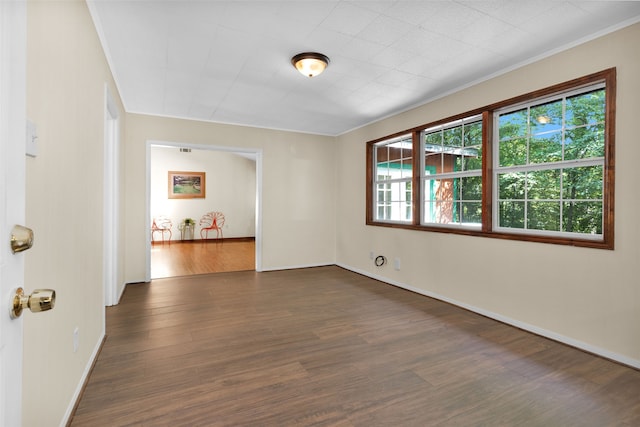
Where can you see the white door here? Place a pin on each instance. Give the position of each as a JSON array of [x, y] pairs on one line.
[[12, 200]]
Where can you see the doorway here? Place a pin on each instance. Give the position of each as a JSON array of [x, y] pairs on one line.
[[231, 186]]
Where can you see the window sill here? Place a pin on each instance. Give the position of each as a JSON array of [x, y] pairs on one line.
[[468, 231]]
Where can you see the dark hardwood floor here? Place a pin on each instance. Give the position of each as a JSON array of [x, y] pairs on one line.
[[201, 257], [328, 347]]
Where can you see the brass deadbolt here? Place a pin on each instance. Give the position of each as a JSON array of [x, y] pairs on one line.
[[21, 238]]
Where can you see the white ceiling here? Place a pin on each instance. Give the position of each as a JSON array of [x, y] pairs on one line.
[[229, 61]]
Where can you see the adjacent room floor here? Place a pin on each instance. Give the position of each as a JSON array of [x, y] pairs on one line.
[[201, 257], [328, 347]]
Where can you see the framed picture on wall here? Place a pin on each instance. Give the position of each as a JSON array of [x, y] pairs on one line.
[[187, 185]]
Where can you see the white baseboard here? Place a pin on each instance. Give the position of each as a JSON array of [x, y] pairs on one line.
[[122, 289], [295, 267], [85, 375], [634, 363]]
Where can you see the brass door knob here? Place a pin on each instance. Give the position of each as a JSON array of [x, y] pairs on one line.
[[21, 238], [39, 300]]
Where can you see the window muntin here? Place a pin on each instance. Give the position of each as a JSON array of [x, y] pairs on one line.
[[451, 173], [393, 162], [550, 165]]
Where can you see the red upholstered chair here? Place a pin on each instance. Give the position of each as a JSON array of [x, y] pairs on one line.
[[161, 224], [211, 221]]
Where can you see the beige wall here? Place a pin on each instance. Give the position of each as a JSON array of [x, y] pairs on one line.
[[298, 181], [230, 189], [313, 191], [66, 76], [587, 297]]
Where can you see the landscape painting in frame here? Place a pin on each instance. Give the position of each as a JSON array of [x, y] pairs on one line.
[[186, 185]]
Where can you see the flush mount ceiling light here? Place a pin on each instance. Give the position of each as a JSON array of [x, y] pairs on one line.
[[310, 64]]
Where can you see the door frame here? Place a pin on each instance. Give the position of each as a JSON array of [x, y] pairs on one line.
[[13, 120], [253, 152], [111, 274]]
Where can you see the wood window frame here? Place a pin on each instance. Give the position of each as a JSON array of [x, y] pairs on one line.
[[608, 77]]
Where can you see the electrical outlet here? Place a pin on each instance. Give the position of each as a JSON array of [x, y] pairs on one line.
[[76, 339], [396, 263]]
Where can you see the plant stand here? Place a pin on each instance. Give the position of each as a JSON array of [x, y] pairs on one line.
[[186, 231]]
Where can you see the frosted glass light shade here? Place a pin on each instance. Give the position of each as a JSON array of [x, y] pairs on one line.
[[310, 64]]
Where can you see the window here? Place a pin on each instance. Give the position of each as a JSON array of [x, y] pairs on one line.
[[393, 160], [537, 167], [550, 164], [452, 173]]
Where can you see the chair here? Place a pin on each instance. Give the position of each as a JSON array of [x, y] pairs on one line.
[[211, 221], [161, 224]]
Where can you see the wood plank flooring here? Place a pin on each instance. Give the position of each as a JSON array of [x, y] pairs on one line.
[[202, 257], [328, 347]]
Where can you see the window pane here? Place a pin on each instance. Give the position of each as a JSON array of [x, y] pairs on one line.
[[395, 200], [433, 162], [473, 158], [407, 165], [582, 217], [511, 214], [439, 196], [382, 154], [586, 108], [513, 152], [382, 170], [471, 212], [428, 186], [452, 137], [543, 216], [546, 117], [511, 186], [583, 183], [546, 148], [395, 168], [543, 184], [444, 212], [584, 142], [473, 135], [429, 214], [457, 163], [449, 164], [471, 188], [444, 189], [408, 201], [433, 151], [384, 212], [513, 125], [434, 138], [448, 212]]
